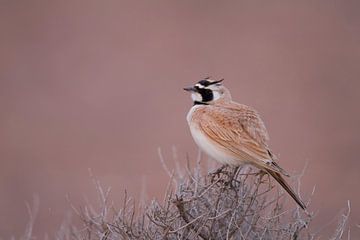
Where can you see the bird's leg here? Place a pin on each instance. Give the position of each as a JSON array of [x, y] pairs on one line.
[[232, 176], [269, 181], [228, 177], [261, 174], [216, 173], [235, 171]]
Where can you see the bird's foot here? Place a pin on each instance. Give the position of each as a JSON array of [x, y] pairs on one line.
[[216, 173], [261, 174], [227, 177]]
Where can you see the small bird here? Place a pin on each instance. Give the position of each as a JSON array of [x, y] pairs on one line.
[[232, 133]]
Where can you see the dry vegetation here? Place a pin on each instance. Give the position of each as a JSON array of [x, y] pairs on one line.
[[230, 204]]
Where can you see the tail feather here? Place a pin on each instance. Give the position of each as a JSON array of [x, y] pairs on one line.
[[286, 186]]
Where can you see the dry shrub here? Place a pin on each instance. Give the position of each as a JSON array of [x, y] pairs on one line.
[[228, 204]]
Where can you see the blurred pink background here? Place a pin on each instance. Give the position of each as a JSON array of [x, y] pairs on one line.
[[98, 84]]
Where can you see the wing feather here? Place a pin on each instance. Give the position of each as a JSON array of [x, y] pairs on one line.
[[243, 133]]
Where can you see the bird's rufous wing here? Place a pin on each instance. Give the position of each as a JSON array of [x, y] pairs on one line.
[[242, 132]]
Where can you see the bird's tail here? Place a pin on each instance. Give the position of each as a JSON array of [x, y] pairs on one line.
[[286, 186]]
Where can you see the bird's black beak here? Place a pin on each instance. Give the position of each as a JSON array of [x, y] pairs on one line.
[[190, 89]]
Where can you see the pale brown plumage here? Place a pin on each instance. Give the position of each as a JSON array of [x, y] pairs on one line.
[[237, 134], [239, 129]]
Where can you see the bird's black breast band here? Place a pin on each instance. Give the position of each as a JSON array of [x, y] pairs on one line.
[[200, 103]]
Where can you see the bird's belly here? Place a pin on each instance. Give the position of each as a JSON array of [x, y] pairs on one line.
[[208, 146]]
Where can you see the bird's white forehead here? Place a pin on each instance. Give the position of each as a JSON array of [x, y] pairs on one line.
[[199, 85]]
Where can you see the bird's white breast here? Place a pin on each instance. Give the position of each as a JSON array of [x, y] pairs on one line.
[[207, 145]]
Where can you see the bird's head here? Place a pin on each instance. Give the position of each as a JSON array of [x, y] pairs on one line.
[[208, 91]]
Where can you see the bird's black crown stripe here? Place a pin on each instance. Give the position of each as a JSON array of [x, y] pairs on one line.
[[205, 83]]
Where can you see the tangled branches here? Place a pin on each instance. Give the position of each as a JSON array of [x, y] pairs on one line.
[[228, 204]]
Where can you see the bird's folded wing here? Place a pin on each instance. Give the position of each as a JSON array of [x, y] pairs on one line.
[[243, 134]]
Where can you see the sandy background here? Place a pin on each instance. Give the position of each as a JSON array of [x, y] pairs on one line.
[[98, 84]]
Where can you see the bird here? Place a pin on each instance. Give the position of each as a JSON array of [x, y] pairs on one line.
[[232, 133]]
